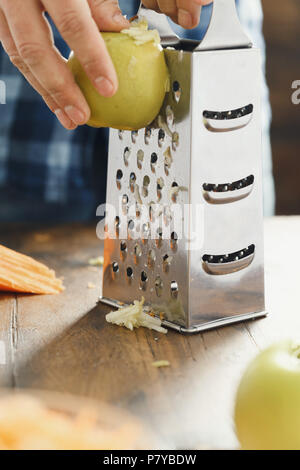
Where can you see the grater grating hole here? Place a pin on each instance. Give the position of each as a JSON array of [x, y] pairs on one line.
[[177, 91], [174, 289], [146, 182], [123, 247], [167, 260], [137, 251], [129, 272], [126, 155], [117, 223], [120, 134], [119, 176], [115, 267], [160, 184], [152, 211], [148, 133], [134, 135], [175, 140], [140, 159], [125, 200], [159, 235], [153, 160], [170, 116], [131, 224], [145, 231], [161, 137], [137, 210], [132, 180], [159, 286], [151, 258], [174, 240], [174, 191], [144, 276], [167, 160]]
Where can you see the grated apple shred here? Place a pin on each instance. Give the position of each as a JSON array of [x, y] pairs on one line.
[[140, 33], [134, 316]]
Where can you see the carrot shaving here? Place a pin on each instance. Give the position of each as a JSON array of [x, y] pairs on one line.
[[20, 273]]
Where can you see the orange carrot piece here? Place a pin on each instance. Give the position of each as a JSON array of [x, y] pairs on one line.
[[20, 273]]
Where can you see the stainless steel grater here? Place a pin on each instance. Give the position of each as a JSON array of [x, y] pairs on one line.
[[187, 233]]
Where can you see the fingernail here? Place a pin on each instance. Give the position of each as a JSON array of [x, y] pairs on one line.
[[185, 18], [75, 115], [63, 119], [104, 86], [118, 18]]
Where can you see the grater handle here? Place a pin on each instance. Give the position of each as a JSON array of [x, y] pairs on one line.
[[224, 32]]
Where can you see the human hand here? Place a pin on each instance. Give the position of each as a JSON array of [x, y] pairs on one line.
[[27, 38], [184, 12]]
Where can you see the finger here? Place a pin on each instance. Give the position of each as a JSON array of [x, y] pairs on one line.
[[151, 4], [188, 13], [37, 51], [107, 15], [11, 49], [168, 7], [74, 21], [203, 2]]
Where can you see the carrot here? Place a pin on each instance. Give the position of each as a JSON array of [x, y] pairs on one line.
[[20, 273]]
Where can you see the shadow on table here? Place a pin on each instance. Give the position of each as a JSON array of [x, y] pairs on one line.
[[190, 399]]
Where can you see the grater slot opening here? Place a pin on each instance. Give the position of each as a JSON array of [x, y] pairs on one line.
[[148, 134], [144, 280], [119, 176], [140, 159], [159, 286], [115, 267], [161, 137], [177, 91], [228, 192], [174, 241], [129, 272], [146, 182], [151, 258], [174, 289], [137, 253], [228, 263], [134, 135], [167, 260], [132, 180], [226, 121], [126, 155]]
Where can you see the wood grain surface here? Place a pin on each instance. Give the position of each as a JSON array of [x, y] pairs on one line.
[[63, 342]]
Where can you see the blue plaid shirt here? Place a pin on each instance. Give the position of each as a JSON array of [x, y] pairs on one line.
[[49, 173]]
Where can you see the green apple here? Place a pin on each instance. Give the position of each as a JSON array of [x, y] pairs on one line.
[[143, 80], [267, 410]]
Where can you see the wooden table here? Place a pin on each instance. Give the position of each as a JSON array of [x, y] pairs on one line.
[[64, 343]]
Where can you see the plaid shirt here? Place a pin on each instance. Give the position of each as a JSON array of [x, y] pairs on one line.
[[49, 172]]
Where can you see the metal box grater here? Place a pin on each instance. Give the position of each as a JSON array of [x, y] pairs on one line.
[[187, 233]]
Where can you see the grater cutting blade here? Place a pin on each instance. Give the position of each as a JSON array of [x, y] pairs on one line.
[[186, 229]]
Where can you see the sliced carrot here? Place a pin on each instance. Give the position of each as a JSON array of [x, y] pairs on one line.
[[20, 273]]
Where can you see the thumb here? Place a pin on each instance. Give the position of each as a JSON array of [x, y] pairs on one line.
[[107, 15]]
